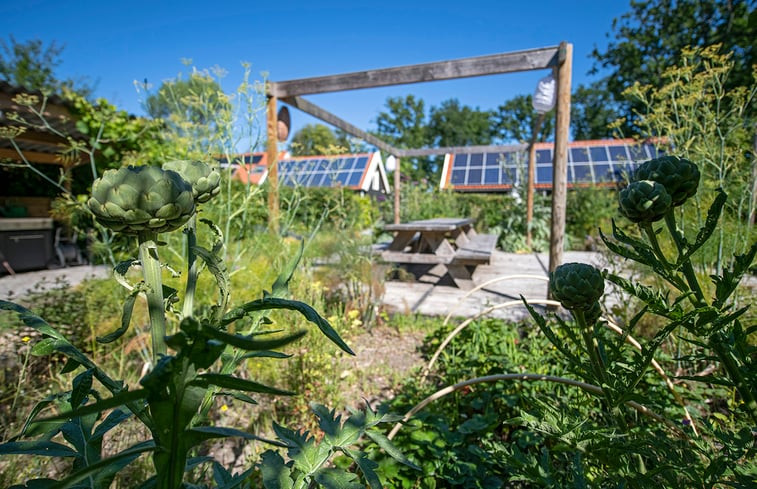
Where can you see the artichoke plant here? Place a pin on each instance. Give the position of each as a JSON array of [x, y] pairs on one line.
[[205, 180], [139, 199], [644, 201], [679, 176], [576, 285]]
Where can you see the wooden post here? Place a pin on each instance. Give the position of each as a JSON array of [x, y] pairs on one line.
[[397, 192], [560, 158], [273, 165], [532, 177]]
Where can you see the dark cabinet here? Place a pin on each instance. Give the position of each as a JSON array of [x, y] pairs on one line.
[[27, 243]]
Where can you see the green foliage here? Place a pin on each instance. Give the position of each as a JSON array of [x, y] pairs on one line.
[[515, 121], [175, 396], [589, 209], [592, 112], [309, 459], [452, 124], [317, 139], [652, 37], [200, 119], [697, 115], [32, 65], [404, 125]]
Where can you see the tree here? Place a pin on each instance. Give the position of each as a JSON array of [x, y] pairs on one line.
[[317, 139], [195, 110], [649, 39], [592, 111], [32, 65], [454, 125], [515, 119], [403, 125]]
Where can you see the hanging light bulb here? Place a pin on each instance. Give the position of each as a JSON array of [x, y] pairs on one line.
[[545, 94]]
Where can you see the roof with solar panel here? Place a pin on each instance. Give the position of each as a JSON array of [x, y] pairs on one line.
[[603, 162], [361, 172]]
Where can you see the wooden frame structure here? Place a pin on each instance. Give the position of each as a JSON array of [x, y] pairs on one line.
[[556, 58]]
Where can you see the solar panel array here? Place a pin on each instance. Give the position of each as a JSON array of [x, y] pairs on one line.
[[246, 159], [589, 162], [320, 171]]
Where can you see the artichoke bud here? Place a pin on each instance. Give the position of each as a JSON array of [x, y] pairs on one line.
[[205, 181], [141, 198], [644, 201], [576, 285], [679, 176]]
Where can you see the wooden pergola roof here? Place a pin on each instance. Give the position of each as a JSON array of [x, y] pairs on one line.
[[37, 143], [556, 58]]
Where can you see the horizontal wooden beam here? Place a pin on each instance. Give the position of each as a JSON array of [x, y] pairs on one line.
[[405, 153], [335, 121], [7, 104], [533, 59], [39, 157]]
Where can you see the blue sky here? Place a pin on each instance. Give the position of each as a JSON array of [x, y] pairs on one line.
[[116, 43]]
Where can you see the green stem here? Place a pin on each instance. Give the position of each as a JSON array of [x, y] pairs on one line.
[[688, 270], [591, 347], [718, 344], [649, 231], [148, 257], [600, 370], [192, 267]]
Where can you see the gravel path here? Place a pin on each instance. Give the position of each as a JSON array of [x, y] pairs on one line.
[[13, 287]]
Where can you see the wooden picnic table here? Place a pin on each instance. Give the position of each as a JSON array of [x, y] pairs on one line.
[[450, 242]]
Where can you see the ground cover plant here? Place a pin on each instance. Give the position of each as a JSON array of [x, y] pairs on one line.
[[193, 356], [626, 429]]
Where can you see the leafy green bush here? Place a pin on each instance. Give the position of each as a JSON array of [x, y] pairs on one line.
[[588, 210]]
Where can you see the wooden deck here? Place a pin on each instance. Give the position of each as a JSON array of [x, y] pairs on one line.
[[423, 297]]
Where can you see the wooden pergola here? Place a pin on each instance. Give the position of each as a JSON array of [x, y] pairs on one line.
[[555, 58], [37, 144]]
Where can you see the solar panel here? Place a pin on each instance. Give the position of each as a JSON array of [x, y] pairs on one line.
[[319, 171], [602, 162]]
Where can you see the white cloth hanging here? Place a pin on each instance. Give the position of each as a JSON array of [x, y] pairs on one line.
[[545, 94]]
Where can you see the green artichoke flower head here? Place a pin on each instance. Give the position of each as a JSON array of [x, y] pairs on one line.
[[679, 176], [644, 201], [141, 198], [205, 180], [576, 285]]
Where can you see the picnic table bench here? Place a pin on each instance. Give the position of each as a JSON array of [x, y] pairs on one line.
[[449, 242]]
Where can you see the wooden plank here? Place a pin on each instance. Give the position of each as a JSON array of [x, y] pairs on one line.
[[272, 151], [415, 258], [33, 156], [397, 191], [477, 251], [560, 161], [402, 239], [326, 116], [431, 225], [533, 59], [460, 149]]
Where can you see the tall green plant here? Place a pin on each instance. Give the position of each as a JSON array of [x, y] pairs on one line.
[[712, 324], [695, 112], [191, 363]]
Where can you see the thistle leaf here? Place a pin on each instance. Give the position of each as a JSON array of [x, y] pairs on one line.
[[280, 287], [44, 448], [125, 316], [277, 303], [276, 474], [710, 224], [229, 382]]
